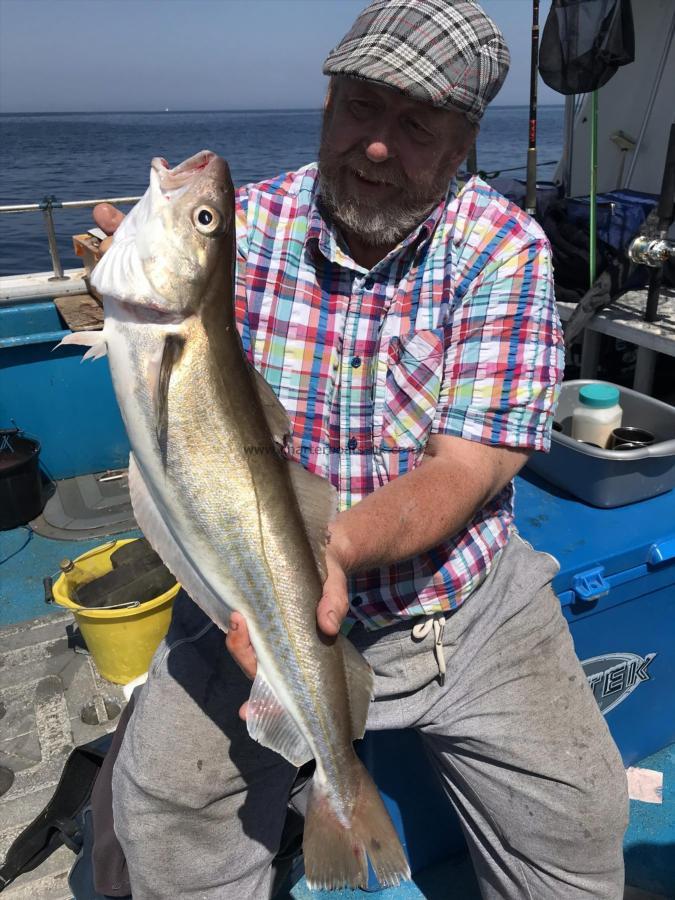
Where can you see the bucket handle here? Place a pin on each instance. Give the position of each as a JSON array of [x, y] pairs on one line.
[[132, 604], [17, 431], [5, 435]]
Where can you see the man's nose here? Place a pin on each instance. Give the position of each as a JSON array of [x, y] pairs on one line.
[[378, 151]]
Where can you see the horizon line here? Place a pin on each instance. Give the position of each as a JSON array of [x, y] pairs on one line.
[[112, 112]]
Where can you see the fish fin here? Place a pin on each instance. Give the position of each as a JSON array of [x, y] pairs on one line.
[[275, 414], [317, 499], [96, 351], [360, 684], [336, 854], [271, 725], [92, 339], [154, 526], [171, 354]]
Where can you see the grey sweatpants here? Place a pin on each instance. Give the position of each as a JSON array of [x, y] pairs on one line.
[[522, 752]]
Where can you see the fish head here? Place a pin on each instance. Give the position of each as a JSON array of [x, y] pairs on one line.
[[175, 246]]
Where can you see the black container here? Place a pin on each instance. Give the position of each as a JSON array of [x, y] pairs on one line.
[[21, 497]]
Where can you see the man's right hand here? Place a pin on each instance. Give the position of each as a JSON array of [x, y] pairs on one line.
[[108, 218]]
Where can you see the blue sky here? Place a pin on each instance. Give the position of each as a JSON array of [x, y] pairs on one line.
[[98, 55]]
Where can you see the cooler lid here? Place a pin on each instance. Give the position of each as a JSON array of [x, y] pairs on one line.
[[595, 546]]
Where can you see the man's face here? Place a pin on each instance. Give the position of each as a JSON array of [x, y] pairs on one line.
[[385, 160]]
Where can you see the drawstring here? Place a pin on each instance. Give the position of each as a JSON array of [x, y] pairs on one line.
[[422, 629]]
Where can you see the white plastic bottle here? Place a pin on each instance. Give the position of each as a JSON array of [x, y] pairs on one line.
[[596, 414]]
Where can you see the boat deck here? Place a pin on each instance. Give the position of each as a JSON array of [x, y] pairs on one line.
[[52, 698]]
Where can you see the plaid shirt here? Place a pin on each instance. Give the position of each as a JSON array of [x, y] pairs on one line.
[[454, 332]]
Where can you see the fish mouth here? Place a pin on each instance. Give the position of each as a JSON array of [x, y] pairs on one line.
[[206, 164]]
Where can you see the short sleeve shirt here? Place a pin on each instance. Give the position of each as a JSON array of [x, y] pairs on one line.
[[455, 332]]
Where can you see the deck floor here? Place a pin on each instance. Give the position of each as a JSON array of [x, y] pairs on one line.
[[45, 685]]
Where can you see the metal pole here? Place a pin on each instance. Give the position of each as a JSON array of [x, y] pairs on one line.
[[531, 190], [67, 204], [665, 213], [81, 204], [594, 184], [47, 206]]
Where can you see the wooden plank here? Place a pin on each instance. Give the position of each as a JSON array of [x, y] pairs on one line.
[[81, 312], [88, 248]]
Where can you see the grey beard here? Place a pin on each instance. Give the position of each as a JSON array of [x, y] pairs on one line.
[[375, 227]]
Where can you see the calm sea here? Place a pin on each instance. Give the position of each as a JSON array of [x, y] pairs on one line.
[[78, 156]]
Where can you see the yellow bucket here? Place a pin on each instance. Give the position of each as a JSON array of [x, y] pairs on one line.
[[121, 641]]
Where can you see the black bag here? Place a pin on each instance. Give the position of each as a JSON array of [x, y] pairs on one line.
[[571, 251], [584, 43], [58, 823]]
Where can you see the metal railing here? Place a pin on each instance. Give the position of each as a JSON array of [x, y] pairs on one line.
[[48, 205]]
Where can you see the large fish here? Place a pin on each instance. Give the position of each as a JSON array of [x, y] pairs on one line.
[[242, 529]]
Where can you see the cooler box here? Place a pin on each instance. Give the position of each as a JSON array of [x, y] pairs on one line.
[[617, 589]]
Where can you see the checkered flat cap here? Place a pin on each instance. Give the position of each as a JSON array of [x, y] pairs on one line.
[[448, 53]]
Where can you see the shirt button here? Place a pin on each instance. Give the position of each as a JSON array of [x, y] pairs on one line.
[[357, 601], [369, 283], [356, 362], [352, 444]]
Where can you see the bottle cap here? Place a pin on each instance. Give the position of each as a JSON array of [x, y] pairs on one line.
[[67, 565], [599, 396]]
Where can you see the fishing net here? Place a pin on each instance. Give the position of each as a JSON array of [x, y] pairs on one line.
[[584, 43]]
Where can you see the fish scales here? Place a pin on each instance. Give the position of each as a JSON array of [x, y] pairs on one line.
[[242, 527]]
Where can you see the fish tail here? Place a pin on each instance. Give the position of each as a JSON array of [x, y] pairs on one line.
[[336, 855]]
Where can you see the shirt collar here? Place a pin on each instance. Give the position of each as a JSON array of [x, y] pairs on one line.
[[323, 236]]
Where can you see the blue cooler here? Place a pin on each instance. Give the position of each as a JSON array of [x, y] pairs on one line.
[[617, 589]]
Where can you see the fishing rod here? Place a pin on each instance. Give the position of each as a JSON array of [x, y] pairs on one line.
[[495, 173], [531, 190]]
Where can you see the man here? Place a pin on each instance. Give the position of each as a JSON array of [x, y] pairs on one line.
[[411, 333]]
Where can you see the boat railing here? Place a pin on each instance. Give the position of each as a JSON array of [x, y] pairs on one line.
[[51, 203], [47, 207]]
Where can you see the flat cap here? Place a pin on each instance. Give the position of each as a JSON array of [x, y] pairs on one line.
[[448, 53]]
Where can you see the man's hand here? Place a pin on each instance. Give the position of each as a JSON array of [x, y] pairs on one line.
[[108, 218], [330, 614]]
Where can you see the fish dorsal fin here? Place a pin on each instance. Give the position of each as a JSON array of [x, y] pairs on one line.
[[276, 416], [360, 684], [270, 724], [317, 499]]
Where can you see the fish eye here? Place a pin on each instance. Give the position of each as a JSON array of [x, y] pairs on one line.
[[206, 219]]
